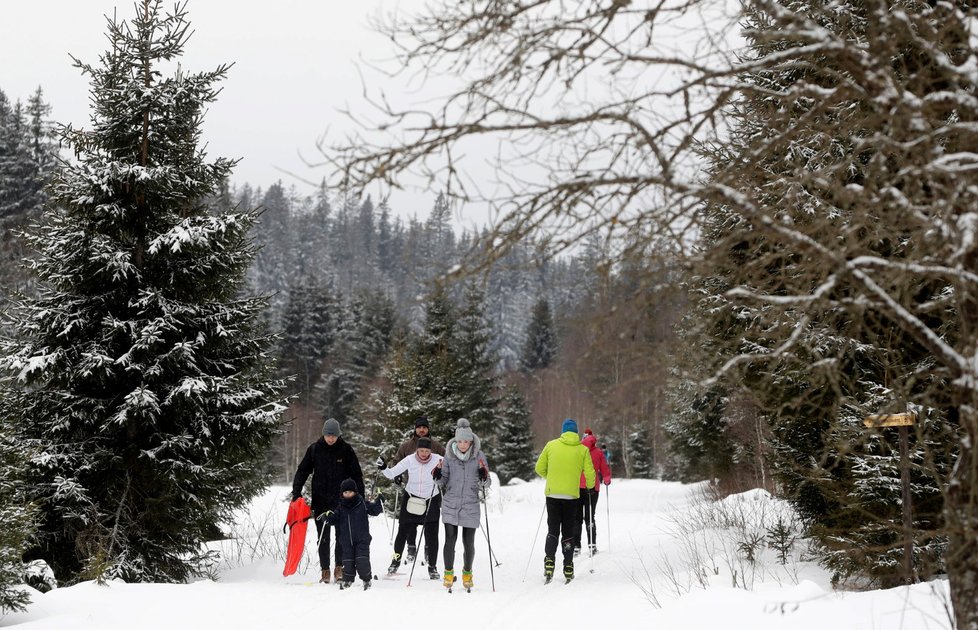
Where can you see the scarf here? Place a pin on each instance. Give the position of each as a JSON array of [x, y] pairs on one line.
[[459, 454]]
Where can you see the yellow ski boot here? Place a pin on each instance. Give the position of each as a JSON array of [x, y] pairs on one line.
[[449, 580], [467, 580]]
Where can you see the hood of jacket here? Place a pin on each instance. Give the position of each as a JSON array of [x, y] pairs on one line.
[[570, 438]]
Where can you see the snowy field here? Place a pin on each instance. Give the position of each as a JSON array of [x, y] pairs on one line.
[[674, 561]]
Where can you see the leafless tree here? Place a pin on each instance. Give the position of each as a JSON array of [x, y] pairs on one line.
[[864, 169]]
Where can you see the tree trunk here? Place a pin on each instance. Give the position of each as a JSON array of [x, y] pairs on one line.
[[961, 512]]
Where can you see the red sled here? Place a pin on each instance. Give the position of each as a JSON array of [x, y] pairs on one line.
[[296, 523]]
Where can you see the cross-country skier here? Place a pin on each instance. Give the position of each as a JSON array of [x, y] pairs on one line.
[[460, 476], [589, 495], [423, 505], [353, 532], [329, 460], [561, 463], [407, 447]]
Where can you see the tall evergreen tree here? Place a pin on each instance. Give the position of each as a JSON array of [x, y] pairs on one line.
[[512, 455], [475, 367], [541, 339], [17, 518], [842, 365], [139, 375]]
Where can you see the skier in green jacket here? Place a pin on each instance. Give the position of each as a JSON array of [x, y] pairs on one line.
[[561, 464]]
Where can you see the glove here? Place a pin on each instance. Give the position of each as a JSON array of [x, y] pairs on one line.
[[381, 465], [607, 482], [436, 473], [325, 515], [399, 480], [483, 474], [294, 497]]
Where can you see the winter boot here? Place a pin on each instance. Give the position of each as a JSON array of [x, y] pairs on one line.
[[577, 551], [449, 578], [548, 568], [325, 578], [395, 563], [568, 572], [467, 580], [366, 585], [593, 548], [433, 572], [345, 585], [337, 573], [411, 552]]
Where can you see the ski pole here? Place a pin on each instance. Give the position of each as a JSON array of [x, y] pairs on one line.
[[424, 522], [319, 540], [591, 534], [492, 575], [535, 536], [373, 490], [493, 553], [607, 505], [397, 496]]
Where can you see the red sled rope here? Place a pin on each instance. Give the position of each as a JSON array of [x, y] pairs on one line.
[[296, 522]]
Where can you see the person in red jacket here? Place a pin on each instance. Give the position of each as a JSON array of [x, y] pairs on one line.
[[589, 496]]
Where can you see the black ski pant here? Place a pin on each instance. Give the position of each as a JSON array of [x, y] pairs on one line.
[[587, 504], [563, 526], [430, 540], [323, 538], [356, 561], [468, 547]]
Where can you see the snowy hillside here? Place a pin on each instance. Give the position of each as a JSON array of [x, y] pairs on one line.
[[674, 561]]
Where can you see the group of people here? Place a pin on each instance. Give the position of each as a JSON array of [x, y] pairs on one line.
[[443, 484]]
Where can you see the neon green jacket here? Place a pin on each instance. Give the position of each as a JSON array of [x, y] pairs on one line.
[[561, 464]]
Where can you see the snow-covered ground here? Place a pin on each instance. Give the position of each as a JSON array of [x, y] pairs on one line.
[[674, 561]]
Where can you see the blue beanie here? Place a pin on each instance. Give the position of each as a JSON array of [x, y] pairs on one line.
[[569, 425]]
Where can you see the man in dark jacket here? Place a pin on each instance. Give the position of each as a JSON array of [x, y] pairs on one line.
[[329, 460], [408, 447]]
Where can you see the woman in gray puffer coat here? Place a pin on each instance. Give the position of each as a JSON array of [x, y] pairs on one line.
[[460, 477]]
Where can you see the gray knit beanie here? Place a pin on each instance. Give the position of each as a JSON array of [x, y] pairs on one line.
[[331, 427], [463, 431]]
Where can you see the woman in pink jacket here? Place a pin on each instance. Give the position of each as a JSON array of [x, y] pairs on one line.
[[589, 496]]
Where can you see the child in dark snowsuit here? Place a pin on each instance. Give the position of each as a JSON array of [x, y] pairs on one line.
[[353, 532]]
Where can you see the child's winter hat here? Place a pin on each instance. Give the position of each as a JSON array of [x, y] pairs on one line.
[[463, 431], [424, 443], [569, 425], [348, 484], [331, 427]]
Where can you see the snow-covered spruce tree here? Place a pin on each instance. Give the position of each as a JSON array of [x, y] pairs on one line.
[[541, 339], [310, 328], [17, 517], [846, 361], [476, 379], [512, 455], [696, 431], [640, 453], [362, 343], [139, 374]]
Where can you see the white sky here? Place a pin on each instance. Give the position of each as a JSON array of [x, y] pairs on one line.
[[295, 66]]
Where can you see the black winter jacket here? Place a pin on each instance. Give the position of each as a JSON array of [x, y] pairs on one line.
[[350, 519], [329, 466]]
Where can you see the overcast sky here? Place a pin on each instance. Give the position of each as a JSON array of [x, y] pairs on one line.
[[295, 65]]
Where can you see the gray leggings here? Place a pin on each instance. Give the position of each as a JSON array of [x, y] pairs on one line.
[[468, 547]]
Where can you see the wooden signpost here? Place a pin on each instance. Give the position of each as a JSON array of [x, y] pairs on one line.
[[902, 421]]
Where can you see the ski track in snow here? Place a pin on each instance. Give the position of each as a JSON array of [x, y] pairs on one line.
[[254, 595]]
